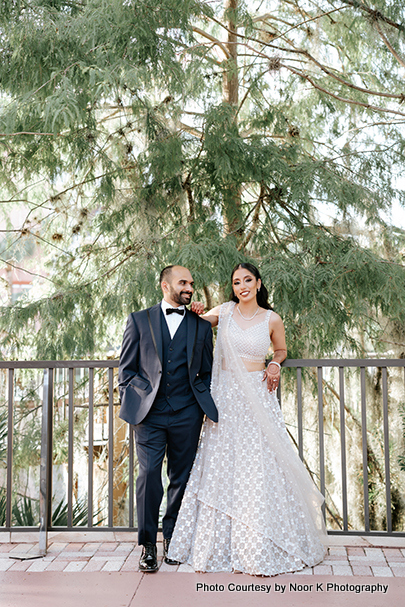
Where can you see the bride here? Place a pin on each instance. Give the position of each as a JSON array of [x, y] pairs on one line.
[[250, 505]]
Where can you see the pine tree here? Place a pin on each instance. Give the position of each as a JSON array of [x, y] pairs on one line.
[[138, 134]]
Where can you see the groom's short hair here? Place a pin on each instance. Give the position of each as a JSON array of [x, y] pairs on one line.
[[166, 273]]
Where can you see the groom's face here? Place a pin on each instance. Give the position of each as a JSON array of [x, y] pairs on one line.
[[178, 289]]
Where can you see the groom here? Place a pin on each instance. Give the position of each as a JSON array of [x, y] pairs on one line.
[[164, 381]]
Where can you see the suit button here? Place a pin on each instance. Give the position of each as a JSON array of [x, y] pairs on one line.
[[168, 372], [171, 349], [169, 361], [168, 385]]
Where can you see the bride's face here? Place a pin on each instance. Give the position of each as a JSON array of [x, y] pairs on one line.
[[245, 285]]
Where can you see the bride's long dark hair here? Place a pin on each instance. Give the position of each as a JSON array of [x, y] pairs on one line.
[[262, 296]]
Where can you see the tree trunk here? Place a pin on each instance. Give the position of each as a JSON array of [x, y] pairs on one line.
[[232, 196], [230, 82]]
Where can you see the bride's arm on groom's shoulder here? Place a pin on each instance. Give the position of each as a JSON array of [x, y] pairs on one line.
[[212, 315]]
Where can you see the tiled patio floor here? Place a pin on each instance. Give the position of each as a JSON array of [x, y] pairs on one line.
[[93, 569], [114, 552]]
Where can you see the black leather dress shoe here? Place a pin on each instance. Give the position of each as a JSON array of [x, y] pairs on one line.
[[148, 560], [166, 544]]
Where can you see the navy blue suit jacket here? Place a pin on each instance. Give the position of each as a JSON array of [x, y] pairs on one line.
[[140, 368]]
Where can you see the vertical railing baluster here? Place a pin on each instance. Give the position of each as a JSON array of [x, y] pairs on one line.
[[50, 435], [110, 446], [131, 476], [279, 391], [386, 449], [343, 445], [70, 447], [364, 447], [10, 435], [299, 407], [91, 442], [321, 434], [45, 469]]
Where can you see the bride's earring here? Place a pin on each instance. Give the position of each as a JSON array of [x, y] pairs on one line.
[[258, 289]]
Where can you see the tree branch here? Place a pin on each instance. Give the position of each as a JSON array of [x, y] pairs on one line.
[[342, 99], [27, 133], [8, 263], [388, 45], [401, 97], [191, 130], [298, 25], [255, 219], [377, 15], [197, 30]]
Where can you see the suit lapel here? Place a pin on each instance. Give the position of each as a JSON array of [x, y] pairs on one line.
[[155, 326], [192, 327]]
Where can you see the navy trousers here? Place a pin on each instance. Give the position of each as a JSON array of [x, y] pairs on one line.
[[175, 433]]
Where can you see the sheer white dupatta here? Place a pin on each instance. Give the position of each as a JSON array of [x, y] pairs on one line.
[[227, 360]]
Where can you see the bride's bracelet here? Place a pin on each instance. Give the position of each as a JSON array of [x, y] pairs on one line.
[[274, 362]]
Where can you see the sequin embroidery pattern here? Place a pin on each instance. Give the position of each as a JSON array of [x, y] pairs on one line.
[[252, 343]]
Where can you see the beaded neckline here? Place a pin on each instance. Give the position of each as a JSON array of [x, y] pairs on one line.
[[257, 324]]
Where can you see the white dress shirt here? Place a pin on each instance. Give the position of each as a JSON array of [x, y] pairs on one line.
[[173, 320]]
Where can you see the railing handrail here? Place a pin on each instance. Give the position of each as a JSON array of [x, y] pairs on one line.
[[343, 362], [288, 363], [59, 364]]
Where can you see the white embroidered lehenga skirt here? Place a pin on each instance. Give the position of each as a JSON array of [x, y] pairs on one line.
[[240, 511]]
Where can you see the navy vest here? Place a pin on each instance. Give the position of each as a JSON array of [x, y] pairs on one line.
[[174, 389]]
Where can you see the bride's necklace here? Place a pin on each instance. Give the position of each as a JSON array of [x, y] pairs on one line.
[[244, 317]]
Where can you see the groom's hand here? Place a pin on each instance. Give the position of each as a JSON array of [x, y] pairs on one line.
[[197, 307]]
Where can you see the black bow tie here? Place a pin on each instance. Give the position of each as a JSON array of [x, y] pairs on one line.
[[175, 310]]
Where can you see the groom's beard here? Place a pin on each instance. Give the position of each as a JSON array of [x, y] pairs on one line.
[[182, 299]]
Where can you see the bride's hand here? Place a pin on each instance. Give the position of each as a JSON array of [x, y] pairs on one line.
[[197, 307], [272, 375]]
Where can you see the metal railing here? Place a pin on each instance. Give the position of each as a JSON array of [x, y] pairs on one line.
[[299, 392], [340, 365], [46, 457]]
